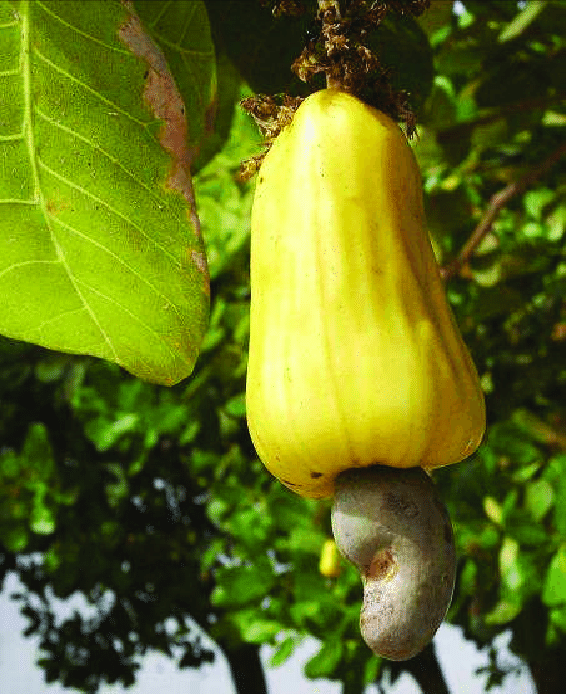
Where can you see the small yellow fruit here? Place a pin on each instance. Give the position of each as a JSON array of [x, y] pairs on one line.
[[355, 358], [329, 564]]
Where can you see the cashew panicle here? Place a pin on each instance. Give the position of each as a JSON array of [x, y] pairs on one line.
[[393, 526]]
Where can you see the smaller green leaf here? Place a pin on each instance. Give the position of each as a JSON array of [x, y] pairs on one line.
[[323, 664], [189, 432], [210, 557], [253, 626], [525, 473], [560, 501], [519, 23], [535, 201], [51, 369], [511, 573], [283, 651], [104, 434], [302, 610], [527, 533], [236, 406], [51, 559], [37, 449], [304, 539], [373, 667], [119, 490], [493, 510], [260, 630], [9, 464], [510, 503], [42, 520], [490, 134], [240, 585], [512, 441], [15, 539], [217, 509], [558, 617], [203, 460], [554, 591], [538, 498], [503, 613], [556, 223], [468, 577], [488, 538]]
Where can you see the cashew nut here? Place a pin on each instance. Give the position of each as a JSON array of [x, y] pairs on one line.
[[392, 525]]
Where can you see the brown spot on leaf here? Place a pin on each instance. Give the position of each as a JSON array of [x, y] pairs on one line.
[[165, 102], [199, 260], [316, 475], [54, 207]]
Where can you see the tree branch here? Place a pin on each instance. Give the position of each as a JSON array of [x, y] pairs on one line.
[[425, 669], [246, 667], [496, 204]]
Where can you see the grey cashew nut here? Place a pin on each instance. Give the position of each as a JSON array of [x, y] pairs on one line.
[[393, 526]]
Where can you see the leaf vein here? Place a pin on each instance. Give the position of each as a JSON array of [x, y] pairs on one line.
[[82, 33], [109, 207], [164, 8], [185, 51], [14, 201], [96, 147], [15, 266], [60, 316], [119, 260], [132, 315], [188, 20], [87, 88]]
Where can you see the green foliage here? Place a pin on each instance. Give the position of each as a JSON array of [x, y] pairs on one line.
[[513, 547], [31, 490]]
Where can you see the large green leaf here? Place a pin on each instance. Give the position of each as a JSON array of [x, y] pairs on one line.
[[403, 48], [100, 248], [261, 45]]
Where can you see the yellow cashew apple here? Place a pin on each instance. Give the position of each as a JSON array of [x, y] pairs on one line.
[[355, 358]]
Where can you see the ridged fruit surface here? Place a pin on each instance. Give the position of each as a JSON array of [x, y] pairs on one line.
[[355, 358]]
